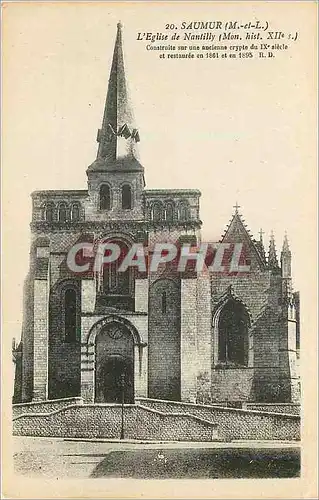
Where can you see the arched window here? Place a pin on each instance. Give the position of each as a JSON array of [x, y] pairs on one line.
[[164, 302], [126, 197], [169, 212], [62, 212], [115, 282], [105, 197], [70, 315], [156, 213], [233, 333], [43, 212], [183, 211], [49, 212], [75, 212]]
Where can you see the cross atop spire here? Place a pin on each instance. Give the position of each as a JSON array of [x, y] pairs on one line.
[[118, 135], [236, 207], [261, 232]]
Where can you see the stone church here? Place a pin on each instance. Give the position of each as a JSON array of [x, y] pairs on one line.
[[205, 337]]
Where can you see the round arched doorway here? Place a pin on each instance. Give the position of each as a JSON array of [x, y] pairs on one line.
[[114, 358]]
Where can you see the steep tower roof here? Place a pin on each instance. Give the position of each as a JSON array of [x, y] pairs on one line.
[[285, 259], [272, 254], [118, 136]]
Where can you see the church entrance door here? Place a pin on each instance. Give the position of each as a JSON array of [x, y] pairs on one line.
[[114, 351]]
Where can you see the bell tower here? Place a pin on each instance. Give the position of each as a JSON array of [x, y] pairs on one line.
[[116, 178]]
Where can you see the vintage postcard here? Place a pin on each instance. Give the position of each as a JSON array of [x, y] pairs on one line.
[[159, 241]]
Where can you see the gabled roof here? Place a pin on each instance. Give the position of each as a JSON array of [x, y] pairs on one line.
[[237, 232]]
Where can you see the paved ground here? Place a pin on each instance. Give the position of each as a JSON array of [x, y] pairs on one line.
[[58, 458]]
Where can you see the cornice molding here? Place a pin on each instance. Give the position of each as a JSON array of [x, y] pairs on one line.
[[85, 226]]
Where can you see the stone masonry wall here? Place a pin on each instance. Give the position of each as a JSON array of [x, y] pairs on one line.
[[234, 423], [27, 340], [188, 340], [232, 384], [64, 362], [44, 406], [287, 408], [41, 329], [170, 235], [164, 345], [204, 347], [104, 421]]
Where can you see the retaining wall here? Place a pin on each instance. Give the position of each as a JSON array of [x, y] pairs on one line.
[[153, 419], [233, 423], [287, 408], [104, 421], [44, 406]]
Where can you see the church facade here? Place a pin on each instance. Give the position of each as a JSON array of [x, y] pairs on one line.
[[205, 337]]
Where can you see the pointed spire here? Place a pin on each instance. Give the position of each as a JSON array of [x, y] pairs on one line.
[[260, 245], [238, 220], [285, 259], [118, 136], [272, 254], [285, 246]]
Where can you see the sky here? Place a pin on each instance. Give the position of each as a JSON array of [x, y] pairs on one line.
[[238, 130]]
